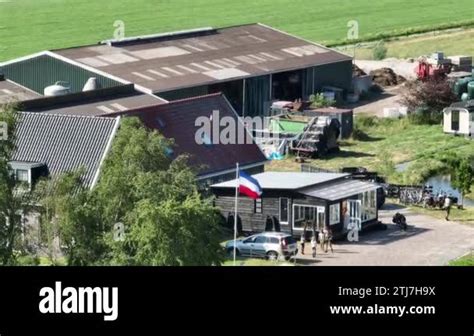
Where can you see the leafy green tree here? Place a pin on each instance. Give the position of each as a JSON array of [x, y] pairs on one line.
[[14, 197], [68, 212], [462, 177], [155, 201]]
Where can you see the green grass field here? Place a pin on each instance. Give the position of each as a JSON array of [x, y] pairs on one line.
[[27, 26], [451, 43]]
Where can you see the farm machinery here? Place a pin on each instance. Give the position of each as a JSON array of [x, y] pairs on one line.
[[432, 68], [320, 137]]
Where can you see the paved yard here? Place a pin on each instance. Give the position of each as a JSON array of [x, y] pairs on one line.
[[389, 99], [428, 241]]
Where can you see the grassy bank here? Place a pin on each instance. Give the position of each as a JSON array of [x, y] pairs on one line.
[[383, 143], [467, 260], [452, 43], [464, 216], [28, 26]]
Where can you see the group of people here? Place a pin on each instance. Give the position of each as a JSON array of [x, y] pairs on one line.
[[441, 200], [325, 240]]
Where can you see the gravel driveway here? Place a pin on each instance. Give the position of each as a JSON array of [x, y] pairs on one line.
[[428, 241]]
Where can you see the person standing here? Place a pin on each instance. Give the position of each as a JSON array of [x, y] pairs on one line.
[[327, 232], [314, 242], [447, 206], [302, 243]]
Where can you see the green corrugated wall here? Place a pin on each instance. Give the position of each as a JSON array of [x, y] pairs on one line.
[[335, 74], [39, 72]]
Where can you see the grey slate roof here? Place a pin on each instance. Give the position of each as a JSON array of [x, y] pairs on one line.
[[339, 189], [287, 180], [64, 143]]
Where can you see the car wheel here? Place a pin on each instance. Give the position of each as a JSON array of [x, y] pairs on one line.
[[230, 252], [272, 255]]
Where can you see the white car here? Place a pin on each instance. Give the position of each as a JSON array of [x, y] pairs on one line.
[[269, 245]]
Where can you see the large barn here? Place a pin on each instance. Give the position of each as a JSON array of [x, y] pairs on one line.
[[252, 65]]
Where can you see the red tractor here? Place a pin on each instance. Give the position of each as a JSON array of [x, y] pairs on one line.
[[425, 70]]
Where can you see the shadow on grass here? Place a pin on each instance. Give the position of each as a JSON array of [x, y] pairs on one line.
[[393, 206], [347, 154], [364, 137]]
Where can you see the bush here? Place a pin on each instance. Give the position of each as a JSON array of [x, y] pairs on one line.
[[380, 51], [424, 116], [28, 260], [366, 121], [426, 100], [318, 100]]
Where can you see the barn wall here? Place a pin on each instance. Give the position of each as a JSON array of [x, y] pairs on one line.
[[42, 71], [335, 74]]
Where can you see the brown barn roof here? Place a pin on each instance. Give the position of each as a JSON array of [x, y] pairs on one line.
[[93, 103], [177, 120], [187, 59], [12, 92]]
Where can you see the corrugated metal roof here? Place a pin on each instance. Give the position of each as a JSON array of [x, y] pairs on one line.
[[339, 189], [178, 61], [177, 120], [64, 143], [287, 180]]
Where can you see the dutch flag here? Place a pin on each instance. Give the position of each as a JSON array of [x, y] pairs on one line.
[[249, 186]]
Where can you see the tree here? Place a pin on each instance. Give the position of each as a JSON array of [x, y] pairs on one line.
[[14, 197], [70, 220], [155, 200], [426, 100], [462, 177]]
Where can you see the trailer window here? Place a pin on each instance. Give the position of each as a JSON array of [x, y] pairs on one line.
[[258, 206], [335, 214], [311, 215], [284, 204], [369, 205]]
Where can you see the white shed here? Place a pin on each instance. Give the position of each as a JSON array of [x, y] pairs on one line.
[[459, 119]]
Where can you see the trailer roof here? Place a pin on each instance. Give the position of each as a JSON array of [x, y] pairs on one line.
[[287, 180], [178, 60], [339, 189]]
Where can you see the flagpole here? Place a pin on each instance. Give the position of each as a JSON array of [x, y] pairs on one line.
[[237, 176]]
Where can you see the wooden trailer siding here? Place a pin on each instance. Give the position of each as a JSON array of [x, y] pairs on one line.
[[251, 221]]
